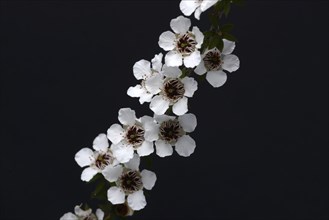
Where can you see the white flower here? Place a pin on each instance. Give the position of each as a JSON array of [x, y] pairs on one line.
[[80, 214], [95, 160], [189, 6], [129, 182], [214, 62], [135, 134], [173, 132], [182, 45], [151, 77], [174, 92]]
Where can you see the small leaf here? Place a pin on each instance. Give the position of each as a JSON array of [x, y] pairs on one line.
[[100, 192], [227, 9], [95, 178], [226, 28], [214, 41], [220, 44], [229, 37], [239, 2], [214, 19]]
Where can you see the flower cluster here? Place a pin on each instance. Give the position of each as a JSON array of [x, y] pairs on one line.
[[166, 83]]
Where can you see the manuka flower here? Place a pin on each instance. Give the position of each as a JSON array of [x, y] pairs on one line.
[[95, 160], [130, 183], [80, 214], [189, 6], [151, 77], [183, 45], [174, 92], [214, 62], [135, 134], [174, 131]]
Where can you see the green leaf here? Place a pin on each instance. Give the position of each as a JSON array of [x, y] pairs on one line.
[[226, 28], [100, 192], [227, 9], [239, 2], [95, 178], [220, 44], [85, 207], [216, 41], [214, 19], [229, 37]]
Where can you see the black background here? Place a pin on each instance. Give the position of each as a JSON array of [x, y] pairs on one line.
[[261, 138]]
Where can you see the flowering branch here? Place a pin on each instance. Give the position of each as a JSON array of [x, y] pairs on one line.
[[113, 163]]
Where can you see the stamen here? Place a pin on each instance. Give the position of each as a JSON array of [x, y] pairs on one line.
[[135, 135], [170, 131], [103, 160], [174, 89], [212, 60], [186, 44], [130, 181]]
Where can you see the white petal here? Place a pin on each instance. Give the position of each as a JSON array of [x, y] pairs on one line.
[[82, 213], [148, 178], [190, 86], [123, 153], [146, 119], [163, 149], [88, 173], [167, 40], [99, 214], [115, 133], [188, 122], [135, 91], [197, 13], [228, 47], [151, 131], [116, 195], [145, 149], [172, 72], [69, 216], [199, 37], [127, 116], [173, 58], [231, 63], [207, 4], [180, 25], [162, 118], [180, 107], [159, 105], [101, 143], [84, 157], [185, 146], [142, 69], [188, 7], [200, 69], [157, 62], [193, 59], [216, 78], [145, 97], [154, 83], [112, 173], [137, 200], [133, 164]]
